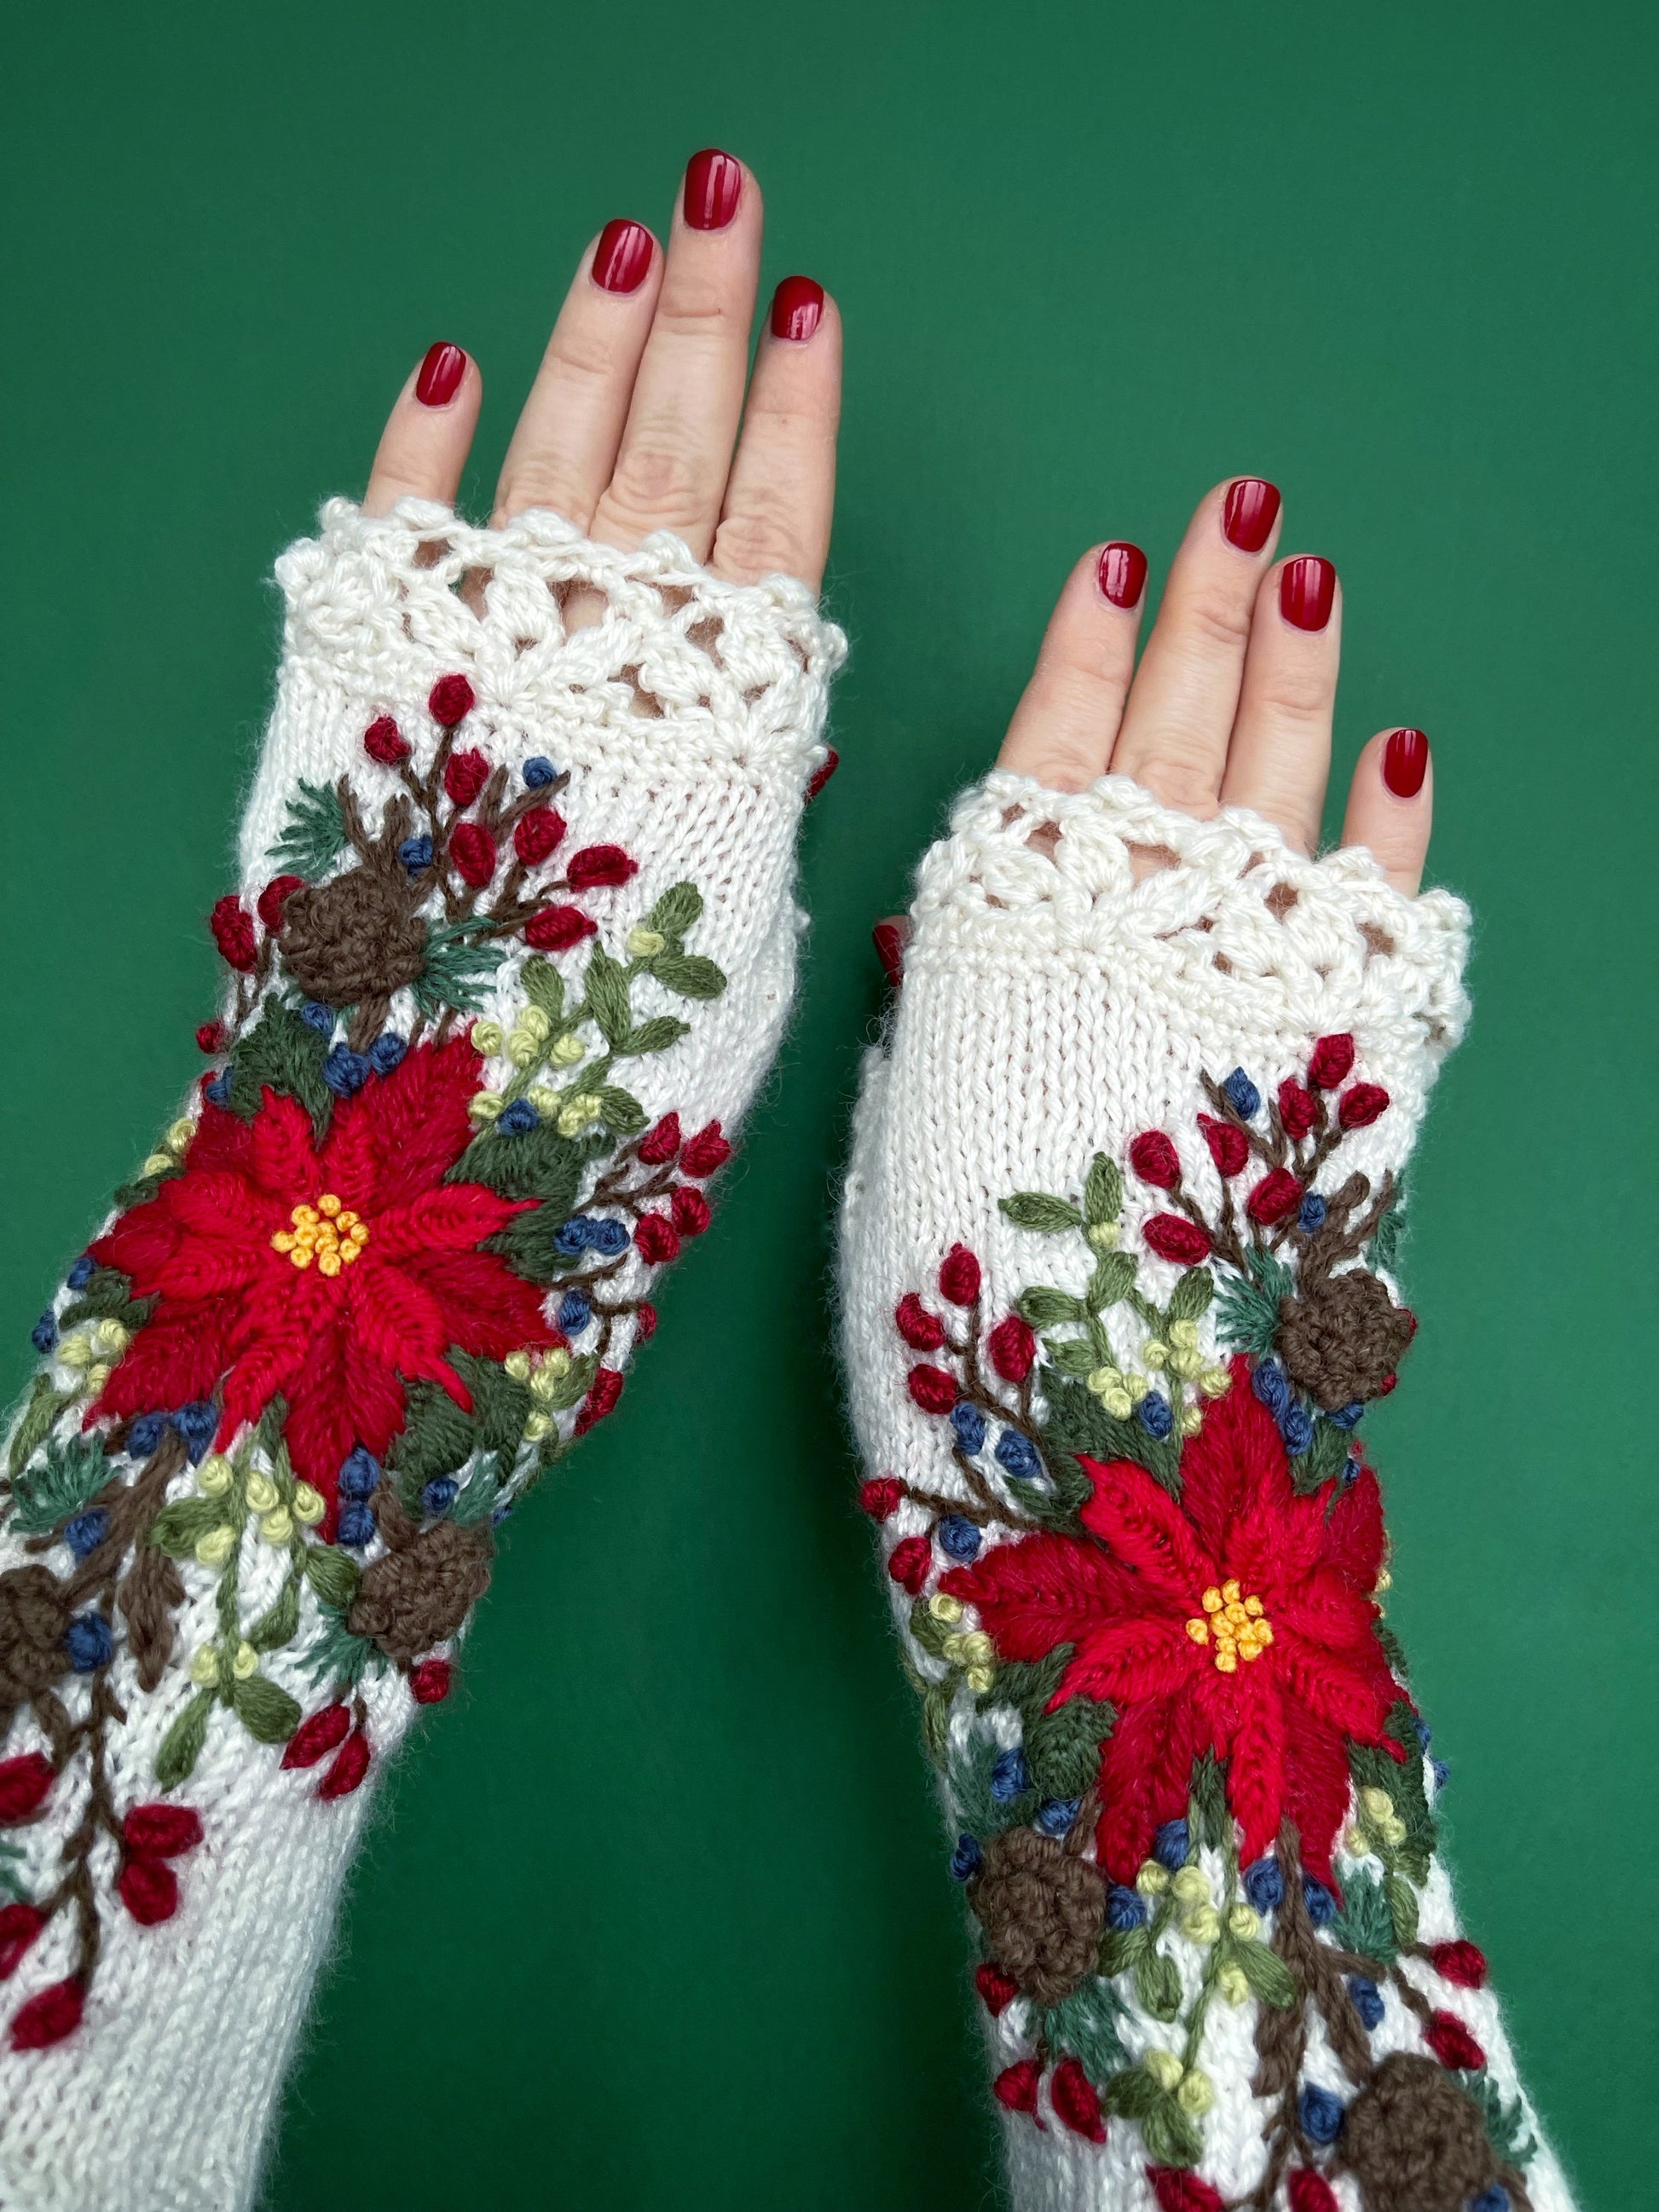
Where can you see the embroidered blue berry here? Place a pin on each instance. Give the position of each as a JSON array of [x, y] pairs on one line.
[[89, 1643], [1367, 2000], [1242, 1095], [1172, 1845], [1010, 1776], [80, 1273], [415, 854], [387, 1052], [1310, 1214], [1296, 1426], [1055, 1814], [440, 1494], [316, 1016], [966, 1859], [1125, 1908], [196, 1424], [959, 1537], [345, 1072], [1264, 1884], [575, 1312], [1018, 1456], [538, 772], [1321, 2114], [87, 1531], [359, 1474], [519, 1120], [145, 1434], [1156, 1415], [1322, 1905], [968, 1423], [44, 1336], [356, 1526]]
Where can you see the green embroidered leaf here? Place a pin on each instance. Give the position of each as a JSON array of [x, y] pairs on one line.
[[1383, 1250], [621, 1110], [181, 1746], [276, 1628], [437, 1437], [457, 968], [501, 1405], [1206, 1806], [1035, 1209], [1403, 1783], [1265, 1971], [577, 1382], [1171, 2136], [936, 1700], [1246, 1319], [1327, 1455], [969, 1777], [1078, 1422], [527, 1245], [1191, 1297], [1103, 1190], [655, 1036], [70, 1476], [1364, 1923], [1073, 1355], [606, 985], [1158, 1985], [1085, 2023], [11, 1885], [539, 1163], [675, 912], [1131, 2096], [477, 1496], [544, 987], [1506, 2124], [689, 974], [336, 1656], [1114, 1279], [107, 1295], [285, 1054], [1123, 1949], [928, 1632], [331, 1574], [44, 1406], [1062, 1748], [178, 1528], [1403, 1909], [1028, 1683], [313, 836], [266, 1711], [1044, 1308], [1393, 1650]]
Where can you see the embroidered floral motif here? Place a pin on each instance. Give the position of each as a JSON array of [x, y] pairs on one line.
[[1154, 1669], [350, 1310]]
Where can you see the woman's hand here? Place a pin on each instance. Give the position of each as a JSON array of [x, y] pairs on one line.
[[637, 419]]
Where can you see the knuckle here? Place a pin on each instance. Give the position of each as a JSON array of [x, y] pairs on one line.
[[1179, 772], [544, 482], [693, 308], [580, 355], [763, 537], [658, 484], [1215, 621]]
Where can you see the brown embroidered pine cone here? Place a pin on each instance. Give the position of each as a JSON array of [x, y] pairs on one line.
[[33, 1615], [1043, 1912], [353, 938], [1414, 2141], [419, 1596], [1342, 1339]]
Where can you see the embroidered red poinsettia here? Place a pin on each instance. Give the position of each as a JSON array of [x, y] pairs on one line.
[[333, 1274], [1239, 1621]]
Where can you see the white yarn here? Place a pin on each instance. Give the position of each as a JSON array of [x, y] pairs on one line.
[[690, 715], [1079, 961]]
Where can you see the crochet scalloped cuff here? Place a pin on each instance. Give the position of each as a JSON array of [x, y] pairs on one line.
[[1118, 1262], [512, 950]]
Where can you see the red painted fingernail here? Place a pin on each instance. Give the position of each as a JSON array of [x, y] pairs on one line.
[[796, 305], [1250, 511], [1123, 574], [1307, 591], [440, 375], [622, 256], [713, 186], [1405, 762], [889, 941]]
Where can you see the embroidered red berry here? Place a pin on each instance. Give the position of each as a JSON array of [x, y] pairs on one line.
[[149, 1890], [273, 898], [1452, 2044], [921, 1330], [472, 853], [210, 1037], [48, 2017], [705, 1151], [599, 867], [879, 1498], [537, 835], [233, 933], [350, 1765], [658, 1239], [162, 1832], [1155, 1159], [451, 700], [1273, 1197], [645, 1322], [315, 1737], [997, 1989], [1229, 1148], [556, 928], [602, 1395], [465, 774], [1071, 2094], [24, 1782], [933, 1390], [19, 1926], [1017, 2087], [821, 774], [1331, 1061], [908, 1562], [1310, 2191], [428, 1683], [690, 1210], [385, 742], [1298, 1109], [1177, 2191], [1174, 1237], [1012, 1347], [1461, 1962], [1361, 1104], [959, 1276], [660, 1141]]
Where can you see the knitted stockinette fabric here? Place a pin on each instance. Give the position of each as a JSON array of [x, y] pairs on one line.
[[513, 947], [1118, 1289]]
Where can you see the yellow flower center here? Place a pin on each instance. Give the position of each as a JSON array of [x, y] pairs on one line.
[[328, 1233], [1234, 1624]]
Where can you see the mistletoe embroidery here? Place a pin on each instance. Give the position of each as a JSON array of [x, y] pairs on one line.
[[1156, 1673], [351, 1308]]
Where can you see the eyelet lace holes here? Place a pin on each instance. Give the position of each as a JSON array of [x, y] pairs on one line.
[[1280, 899], [644, 702], [1378, 942], [1146, 861], [1044, 837]]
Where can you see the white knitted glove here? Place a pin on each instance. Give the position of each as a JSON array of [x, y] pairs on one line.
[[515, 943], [1117, 1291]]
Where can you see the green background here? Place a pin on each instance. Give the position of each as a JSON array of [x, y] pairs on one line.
[[656, 1916]]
